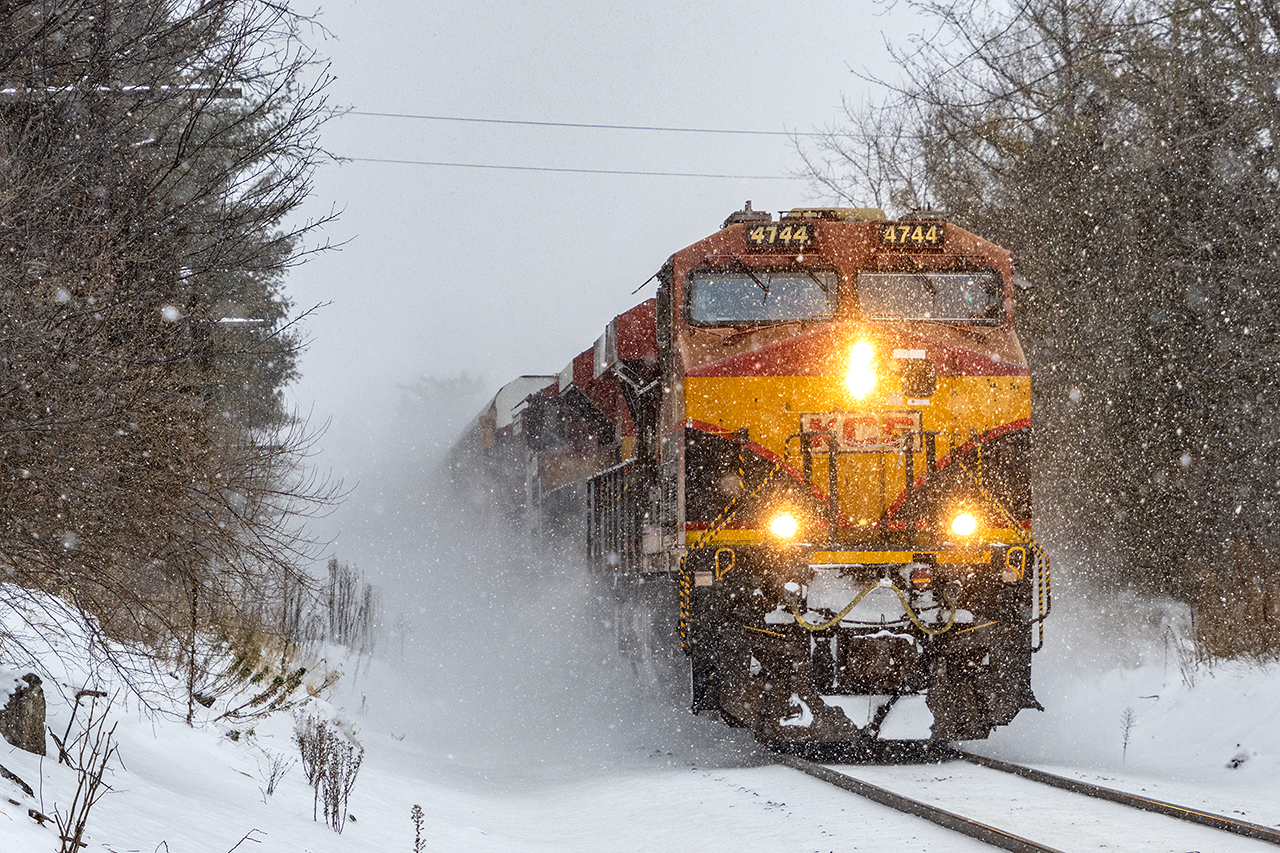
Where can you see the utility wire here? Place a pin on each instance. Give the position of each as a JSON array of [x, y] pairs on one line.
[[583, 124], [577, 171]]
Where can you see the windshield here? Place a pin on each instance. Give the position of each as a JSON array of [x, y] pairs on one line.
[[761, 296], [966, 297]]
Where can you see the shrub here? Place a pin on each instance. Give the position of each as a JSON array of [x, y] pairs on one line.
[[330, 763]]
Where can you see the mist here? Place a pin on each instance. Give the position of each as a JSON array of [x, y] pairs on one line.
[[495, 660], [501, 271]]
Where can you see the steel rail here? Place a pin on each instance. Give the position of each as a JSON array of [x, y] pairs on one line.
[[948, 820], [1203, 818]]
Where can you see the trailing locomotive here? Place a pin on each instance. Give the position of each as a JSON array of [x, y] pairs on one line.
[[802, 471]]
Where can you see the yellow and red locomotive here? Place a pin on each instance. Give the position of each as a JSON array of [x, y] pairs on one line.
[[803, 471]]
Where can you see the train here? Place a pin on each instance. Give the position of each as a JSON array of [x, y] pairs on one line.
[[802, 476]]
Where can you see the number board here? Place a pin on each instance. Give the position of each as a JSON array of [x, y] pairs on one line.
[[912, 234], [779, 237]]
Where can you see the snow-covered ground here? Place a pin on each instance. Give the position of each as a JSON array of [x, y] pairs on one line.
[[516, 730]]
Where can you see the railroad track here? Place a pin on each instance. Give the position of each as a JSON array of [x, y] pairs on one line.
[[1107, 828]]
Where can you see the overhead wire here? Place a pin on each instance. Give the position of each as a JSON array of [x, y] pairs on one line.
[[643, 127], [578, 171], [588, 125]]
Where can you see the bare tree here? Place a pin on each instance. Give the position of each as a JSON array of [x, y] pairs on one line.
[[1124, 151]]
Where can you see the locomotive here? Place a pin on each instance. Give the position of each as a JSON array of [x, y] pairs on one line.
[[802, 474]]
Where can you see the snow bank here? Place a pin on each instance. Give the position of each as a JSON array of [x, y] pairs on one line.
[[1194, 730], [516, 729]]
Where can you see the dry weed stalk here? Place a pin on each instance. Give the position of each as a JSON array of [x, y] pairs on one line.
[[1128, 719], [278, 766], [419, 843], [97, 746]]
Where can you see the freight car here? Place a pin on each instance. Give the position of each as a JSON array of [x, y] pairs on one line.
[[802, 473]]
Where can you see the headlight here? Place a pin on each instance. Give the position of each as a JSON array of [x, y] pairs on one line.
[[784, 525], [861, 377], [964, 524]]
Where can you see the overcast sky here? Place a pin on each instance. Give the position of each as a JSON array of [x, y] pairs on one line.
[[501, 272]]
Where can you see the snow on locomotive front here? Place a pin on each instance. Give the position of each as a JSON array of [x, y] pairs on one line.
[[803, 472]]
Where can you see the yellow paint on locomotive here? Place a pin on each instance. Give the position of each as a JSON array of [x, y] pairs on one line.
[[770, 408]]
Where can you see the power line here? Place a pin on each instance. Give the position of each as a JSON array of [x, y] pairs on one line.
[[577, 171], [584, 124]]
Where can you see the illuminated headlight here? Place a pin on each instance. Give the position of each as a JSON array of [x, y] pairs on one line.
[[964, 524], [784, 525], [861, 377]]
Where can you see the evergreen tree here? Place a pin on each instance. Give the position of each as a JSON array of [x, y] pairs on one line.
[[150, 154]]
